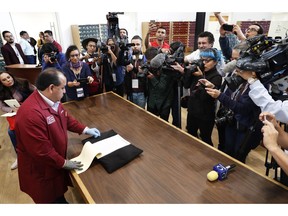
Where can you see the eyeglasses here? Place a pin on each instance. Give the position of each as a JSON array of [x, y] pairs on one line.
[[75, 55], [251, 29], [206, 60]]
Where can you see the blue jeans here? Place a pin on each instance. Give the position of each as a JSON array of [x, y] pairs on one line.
[[12, 136], [138, 98]]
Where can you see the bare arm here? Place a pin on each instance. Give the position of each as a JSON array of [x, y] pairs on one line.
[[221, 20]]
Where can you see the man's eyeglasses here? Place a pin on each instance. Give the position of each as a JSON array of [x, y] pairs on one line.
[[206, 60], [251, 29]]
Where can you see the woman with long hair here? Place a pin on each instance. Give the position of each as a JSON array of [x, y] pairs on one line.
[[13, 88]]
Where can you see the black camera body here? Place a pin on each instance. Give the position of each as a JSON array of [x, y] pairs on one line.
[[267, 57], [52, 56], [227, 27], [192, 67], [224, 116]]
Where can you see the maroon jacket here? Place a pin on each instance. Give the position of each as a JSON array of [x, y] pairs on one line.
[[10, 56], [41, 148]]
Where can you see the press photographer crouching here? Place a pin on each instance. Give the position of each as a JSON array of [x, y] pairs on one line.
[[239, 114]]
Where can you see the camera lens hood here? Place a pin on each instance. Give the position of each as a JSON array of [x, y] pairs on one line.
[[251, 64]]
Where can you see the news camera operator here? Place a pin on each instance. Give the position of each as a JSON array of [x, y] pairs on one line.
[[238, 115], [201, 106], [52, 57], [160, 84]]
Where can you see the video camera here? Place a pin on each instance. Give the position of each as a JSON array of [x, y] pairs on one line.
[[177, 55], [268, 58]]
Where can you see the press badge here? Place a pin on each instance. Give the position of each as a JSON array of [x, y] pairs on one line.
[[80, 92], [114, 77], [135, 83]]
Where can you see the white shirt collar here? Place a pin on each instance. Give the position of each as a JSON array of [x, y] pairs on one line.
[[53, 105]]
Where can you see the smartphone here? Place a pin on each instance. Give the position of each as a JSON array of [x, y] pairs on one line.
[[227, 27]]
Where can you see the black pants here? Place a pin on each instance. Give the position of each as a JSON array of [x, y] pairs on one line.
[[204, 126]]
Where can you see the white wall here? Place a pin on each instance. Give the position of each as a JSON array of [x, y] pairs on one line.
[[35, 22]]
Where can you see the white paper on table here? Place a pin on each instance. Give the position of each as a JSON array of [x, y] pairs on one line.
[[99, 149], [9, 114]]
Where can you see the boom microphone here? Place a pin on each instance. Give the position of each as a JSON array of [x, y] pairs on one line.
[[158, 60], [219, 172]]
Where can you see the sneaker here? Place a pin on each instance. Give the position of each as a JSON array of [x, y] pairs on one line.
[[14, 165]]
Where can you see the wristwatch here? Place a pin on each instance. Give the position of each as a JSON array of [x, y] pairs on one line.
[[251, 80]]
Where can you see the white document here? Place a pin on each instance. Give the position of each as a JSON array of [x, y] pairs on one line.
[[12, 103], [99, 149], [9, 114]]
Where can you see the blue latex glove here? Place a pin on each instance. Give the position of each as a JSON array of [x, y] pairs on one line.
[[93, 132]]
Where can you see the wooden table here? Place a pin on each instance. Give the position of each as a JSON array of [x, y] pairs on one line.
[[26, 71], [172, 168]]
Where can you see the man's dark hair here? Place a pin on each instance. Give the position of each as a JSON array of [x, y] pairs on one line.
[[48, 48], [260, 31], [151, 52], [49, 32], [47, 77], [124, 30], [23, 32], [135, 37], [4, 32], [209, 35], [161, 27]]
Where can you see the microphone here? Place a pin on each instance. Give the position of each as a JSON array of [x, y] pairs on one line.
[[158, 60], [219, 172]]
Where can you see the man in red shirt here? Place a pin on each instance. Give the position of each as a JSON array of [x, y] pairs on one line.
[[160, 36]]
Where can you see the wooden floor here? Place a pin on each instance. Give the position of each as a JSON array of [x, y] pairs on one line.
[[9, 186]]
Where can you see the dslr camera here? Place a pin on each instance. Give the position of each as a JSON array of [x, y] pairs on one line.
[[224, 116], [192, 67], [52, 56]]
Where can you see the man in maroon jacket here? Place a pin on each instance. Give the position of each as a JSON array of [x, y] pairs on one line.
[[11, 51], [41, 131]]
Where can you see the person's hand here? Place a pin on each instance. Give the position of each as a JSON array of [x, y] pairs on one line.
[[213, 92], [90, 79], [207, 83], [93, 132], [70, 165], [129, 67], [269, 117], [270, 135], [178, 67]]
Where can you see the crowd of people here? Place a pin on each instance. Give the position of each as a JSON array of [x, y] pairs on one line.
[[148, 80]]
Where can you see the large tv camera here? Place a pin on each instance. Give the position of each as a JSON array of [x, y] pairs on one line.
[[268, 58], [113, 24]]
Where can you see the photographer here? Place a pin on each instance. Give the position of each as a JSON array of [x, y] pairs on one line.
[[52, 57], [135, 80], [78, 75], [275, 139], [91, 57], [201, 106], [239, 116]]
